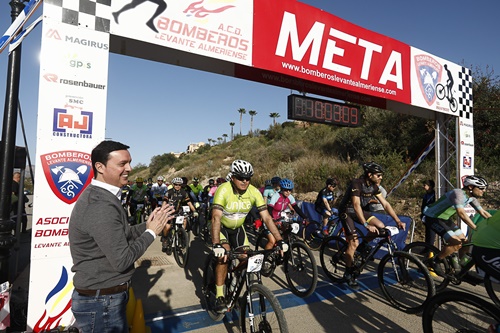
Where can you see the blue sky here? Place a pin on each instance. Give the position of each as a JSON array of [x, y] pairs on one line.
[[142, 93]]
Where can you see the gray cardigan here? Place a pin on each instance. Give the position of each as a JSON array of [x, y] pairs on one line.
[[103, 246]]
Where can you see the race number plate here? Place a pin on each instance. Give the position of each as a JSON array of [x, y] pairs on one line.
[[255, 263]]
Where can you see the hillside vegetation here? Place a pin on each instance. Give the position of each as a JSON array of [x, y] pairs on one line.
[[309, 153]]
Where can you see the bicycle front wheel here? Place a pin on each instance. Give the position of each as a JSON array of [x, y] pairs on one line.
[[331, 255], [405, 281], [301, 270], [493, 289], [311, 234], [181, 247], [425, 253], [455, 311], [440, 91], [261, 312], [209, 291]]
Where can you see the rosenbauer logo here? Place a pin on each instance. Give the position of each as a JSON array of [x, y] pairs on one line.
[[51, 77], [67, 172]]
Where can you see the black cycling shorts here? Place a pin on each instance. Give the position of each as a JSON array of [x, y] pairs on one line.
[[444, 228], [234, 237], [348, 220], [488, 260]]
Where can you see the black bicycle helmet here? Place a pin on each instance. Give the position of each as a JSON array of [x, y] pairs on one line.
[[275, 180], [241, 168], [331, 181], [475, 181], [372, 167]]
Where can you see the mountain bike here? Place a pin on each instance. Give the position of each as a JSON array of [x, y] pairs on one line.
[[442, 92], [199, 225], [455, 311], [178, 241], [312, 231], [455, 275], [139, 214], [260, 311], [299, 263], [405, 281]]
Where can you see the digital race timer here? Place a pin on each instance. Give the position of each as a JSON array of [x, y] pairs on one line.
[[322, 111]]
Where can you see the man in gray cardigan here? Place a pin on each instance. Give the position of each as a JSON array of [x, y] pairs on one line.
[[103, 245]]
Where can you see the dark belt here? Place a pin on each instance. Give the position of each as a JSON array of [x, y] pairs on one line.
[[104, 291]]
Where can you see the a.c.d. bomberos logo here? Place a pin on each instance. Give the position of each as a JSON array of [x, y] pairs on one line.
[[68, 173], [428, 74]]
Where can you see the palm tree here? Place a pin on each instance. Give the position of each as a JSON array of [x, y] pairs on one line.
[[251, 113], [274, 115], [219, 139], [242, 111], [232, 126], [225, 137], [210, 141]]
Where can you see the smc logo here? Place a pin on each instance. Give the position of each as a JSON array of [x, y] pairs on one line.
[[79, 122]]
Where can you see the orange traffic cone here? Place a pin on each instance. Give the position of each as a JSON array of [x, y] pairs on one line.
[[138, 323], [131, 304]]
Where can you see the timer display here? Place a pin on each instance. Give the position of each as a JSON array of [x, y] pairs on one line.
[[322, 111]]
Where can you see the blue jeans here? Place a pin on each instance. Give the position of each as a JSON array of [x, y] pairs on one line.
[[100, 314]]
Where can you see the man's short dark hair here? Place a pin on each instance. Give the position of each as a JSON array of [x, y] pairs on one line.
[[101, 152]]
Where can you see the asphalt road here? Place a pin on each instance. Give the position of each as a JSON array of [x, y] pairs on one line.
[[171, 298]]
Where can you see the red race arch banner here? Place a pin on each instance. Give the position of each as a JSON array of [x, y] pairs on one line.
[[295, 39]]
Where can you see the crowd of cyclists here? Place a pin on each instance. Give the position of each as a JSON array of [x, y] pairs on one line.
[[229, 202]]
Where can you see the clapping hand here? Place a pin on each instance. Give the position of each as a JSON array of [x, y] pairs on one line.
[[159, 218]]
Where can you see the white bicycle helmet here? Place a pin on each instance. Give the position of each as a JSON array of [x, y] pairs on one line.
[[475, 181], [241, 168], [159, 178], [177, 181]]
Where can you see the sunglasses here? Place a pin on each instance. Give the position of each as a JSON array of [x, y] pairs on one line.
[[242, 179], [379, 175], [481, 188]]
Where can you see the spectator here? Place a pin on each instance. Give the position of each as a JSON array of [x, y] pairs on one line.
[[103, 246], [16, 178], [428, 198], [374, 205]]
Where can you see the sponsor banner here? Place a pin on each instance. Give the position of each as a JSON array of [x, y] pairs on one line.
[[220, 29], [465, 156], [440, 85], [305, 42], [71, 121], [49, 305]]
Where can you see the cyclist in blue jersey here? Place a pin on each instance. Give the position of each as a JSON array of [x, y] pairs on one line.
[[324, 202]]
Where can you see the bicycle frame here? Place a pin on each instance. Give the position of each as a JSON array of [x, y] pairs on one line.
[[384, 239]]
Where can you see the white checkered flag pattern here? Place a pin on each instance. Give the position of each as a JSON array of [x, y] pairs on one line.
[[465, 93], [90, 14]]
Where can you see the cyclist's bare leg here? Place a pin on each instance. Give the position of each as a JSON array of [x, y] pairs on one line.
[[166, 230], [352, 244], [326, 216], [221, 269], [376, 223], [270, 243], [453, 245]]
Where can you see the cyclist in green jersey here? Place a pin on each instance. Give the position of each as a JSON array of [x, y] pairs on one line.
[[438, 216], [233, 200]]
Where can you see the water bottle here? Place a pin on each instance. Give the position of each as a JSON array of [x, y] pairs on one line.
[[455, 263], [465, 259]]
